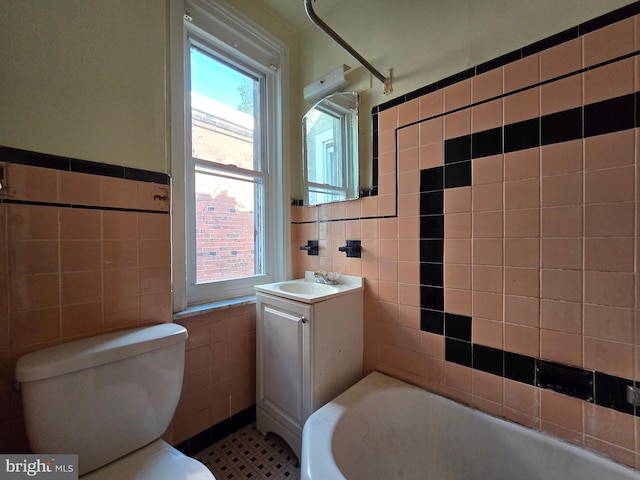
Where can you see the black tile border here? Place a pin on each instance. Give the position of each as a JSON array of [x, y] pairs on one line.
[[488, 359], [457, 326], [35, 159], [568, 380], [518, 54], [217, 432], [611, 392], [605, 390], [608, 116], [78, 207], [520, 368], [458, 351], [54, 162]]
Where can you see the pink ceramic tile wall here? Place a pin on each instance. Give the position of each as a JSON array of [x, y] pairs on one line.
[[540, 251], [67, 273], [220, 370]]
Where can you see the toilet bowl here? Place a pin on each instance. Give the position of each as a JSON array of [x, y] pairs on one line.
[[158, 460], [109, 399]]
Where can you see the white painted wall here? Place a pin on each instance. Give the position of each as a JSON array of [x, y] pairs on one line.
[[85, 79], [88, 79]]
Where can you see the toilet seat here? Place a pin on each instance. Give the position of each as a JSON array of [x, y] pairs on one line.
[[156, 461]]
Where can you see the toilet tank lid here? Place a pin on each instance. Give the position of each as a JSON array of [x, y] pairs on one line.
[[94, 351]]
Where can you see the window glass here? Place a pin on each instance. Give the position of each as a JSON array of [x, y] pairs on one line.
[[229, 216], [228, 189]]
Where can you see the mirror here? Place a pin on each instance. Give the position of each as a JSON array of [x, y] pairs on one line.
[[330, 149]]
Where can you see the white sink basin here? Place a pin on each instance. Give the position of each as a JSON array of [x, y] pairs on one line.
[[307, 288], [308, 291]]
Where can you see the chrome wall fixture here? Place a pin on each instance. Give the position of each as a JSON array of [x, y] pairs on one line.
[[385, 79]]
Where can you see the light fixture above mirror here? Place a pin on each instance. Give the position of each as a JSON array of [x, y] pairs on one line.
[[332, 82]]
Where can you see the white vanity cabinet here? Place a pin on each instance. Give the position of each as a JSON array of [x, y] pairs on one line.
[[307, 354]]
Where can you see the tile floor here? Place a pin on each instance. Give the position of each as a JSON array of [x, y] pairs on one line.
[[248, 454]]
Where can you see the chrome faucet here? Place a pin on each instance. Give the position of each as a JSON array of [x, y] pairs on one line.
[[327, 278]]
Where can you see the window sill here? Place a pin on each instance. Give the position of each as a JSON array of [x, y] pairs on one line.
[[214, 306]]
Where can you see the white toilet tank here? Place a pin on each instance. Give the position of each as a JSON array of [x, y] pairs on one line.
[[105, 396]]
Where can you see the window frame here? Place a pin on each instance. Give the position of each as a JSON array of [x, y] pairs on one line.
[[217, 29]]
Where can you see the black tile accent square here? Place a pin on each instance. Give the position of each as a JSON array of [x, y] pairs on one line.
[[432, 226], [488, 359], [562, 126], [637, 109], [457, 174], [431, 274], [432, 321], [522, 135], [457, 326], [611, 392], [432, 179], [609, 116], [486, 143], [432, 297], [432, 203], [457, 351], [457, 149], [520, 368], [432, 250], [571, 381]]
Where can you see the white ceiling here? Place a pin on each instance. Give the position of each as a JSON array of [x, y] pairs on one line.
[[294, 13]]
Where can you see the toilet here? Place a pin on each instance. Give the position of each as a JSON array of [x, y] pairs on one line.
[[109, 398]]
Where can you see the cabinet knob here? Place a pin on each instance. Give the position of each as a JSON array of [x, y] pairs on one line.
[[303, 320]]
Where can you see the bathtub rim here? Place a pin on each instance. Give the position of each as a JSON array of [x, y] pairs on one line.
[[321, 425]]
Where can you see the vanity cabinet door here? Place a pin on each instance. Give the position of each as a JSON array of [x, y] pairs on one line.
[[283, 358]]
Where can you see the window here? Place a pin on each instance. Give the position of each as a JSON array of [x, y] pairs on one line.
[[229, 178]]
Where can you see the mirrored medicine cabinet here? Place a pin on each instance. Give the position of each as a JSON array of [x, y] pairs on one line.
[[330, 150]]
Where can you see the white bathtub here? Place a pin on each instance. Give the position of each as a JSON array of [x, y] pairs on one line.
[[382, 428]]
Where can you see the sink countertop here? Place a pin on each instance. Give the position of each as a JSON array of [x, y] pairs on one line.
[[308, 291]]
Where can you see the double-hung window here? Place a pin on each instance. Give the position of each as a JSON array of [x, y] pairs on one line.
[[234, 182]]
